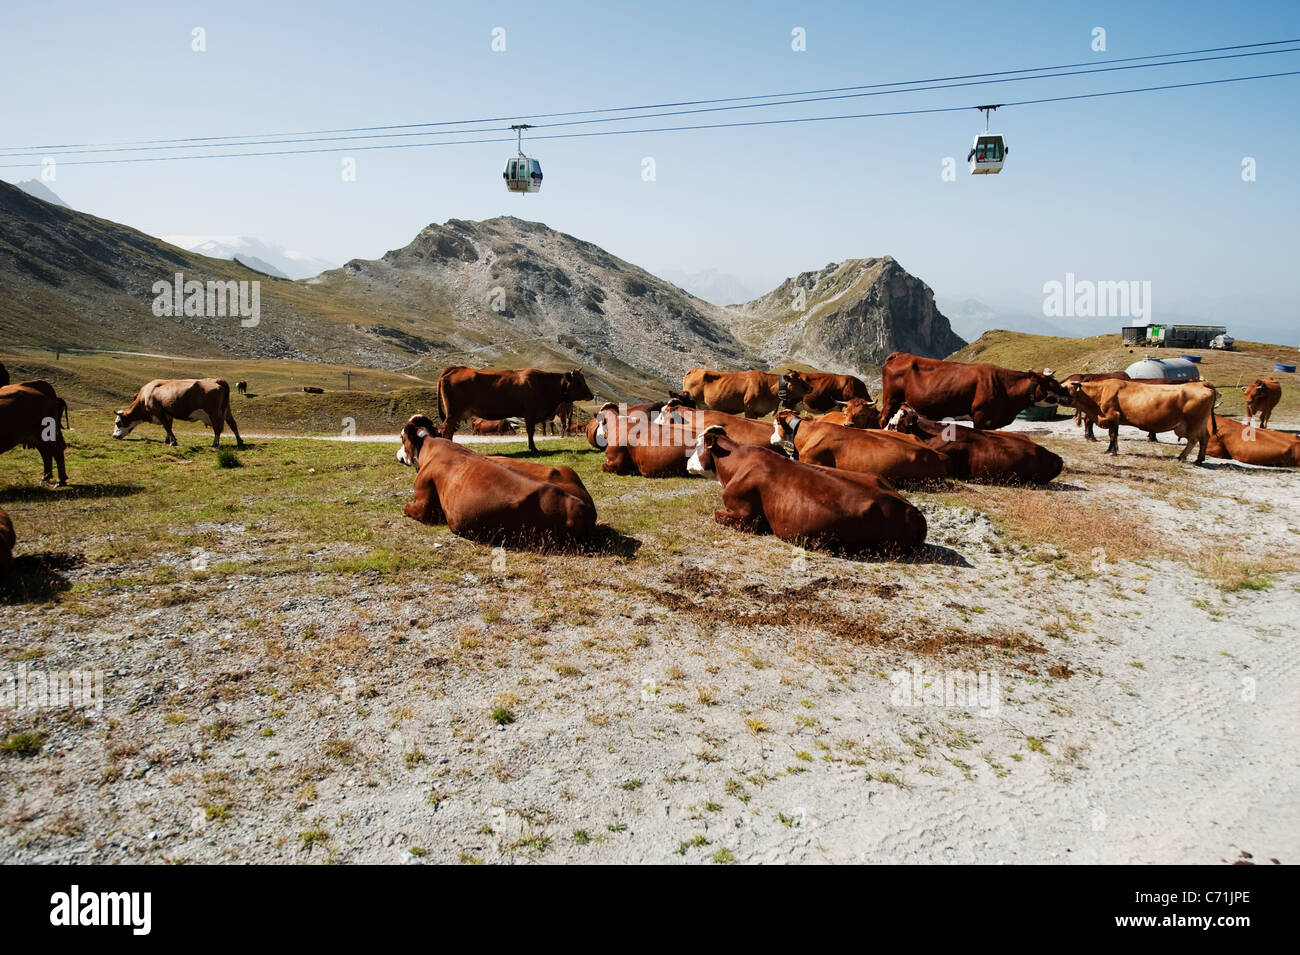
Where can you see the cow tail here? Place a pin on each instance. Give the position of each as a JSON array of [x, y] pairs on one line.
[[442, 404], [67, 422], [1214, 421]]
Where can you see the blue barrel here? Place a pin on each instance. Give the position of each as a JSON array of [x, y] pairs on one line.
[[1286, 368], [1196, 359]]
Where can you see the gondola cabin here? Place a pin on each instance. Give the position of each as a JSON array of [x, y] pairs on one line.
[[523, 174], [987, 154]]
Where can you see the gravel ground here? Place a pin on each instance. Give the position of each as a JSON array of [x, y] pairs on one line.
[[741, 701]]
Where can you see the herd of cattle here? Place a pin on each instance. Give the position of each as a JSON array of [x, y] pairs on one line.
[[822, 471]]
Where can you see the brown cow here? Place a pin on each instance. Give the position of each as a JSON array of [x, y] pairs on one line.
[[29, 415], [1250, 445], [856, 413], [989, 395], [895, 457], [1262, 396], [7, 541], [527, 393], [1186, 409], [992, 457], [163, 401], [241, 387], [490, 426], [1079, 418], [744, 430], [492, 499], [803, 504], [559, 421], [636, 443], [826, 391], [753, 394], [313, 390]]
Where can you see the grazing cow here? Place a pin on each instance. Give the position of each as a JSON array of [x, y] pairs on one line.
[[163, 401], [1250, 445], [492, 499], [313, 390], [29, 415], [527, 393], [4, 375], [992, 457], [803, 504], [241, 387], [856, 413], [7, 541], [636, 443], [489, 426], [895, 457], [826, 391], [753, 394], [560, 421], [1262, 396], [744, 430], [1186, 409], [989, 395]]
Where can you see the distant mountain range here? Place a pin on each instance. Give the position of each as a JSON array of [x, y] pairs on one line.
[[265, 257], [717, 288], [34, 187], [499, 293]]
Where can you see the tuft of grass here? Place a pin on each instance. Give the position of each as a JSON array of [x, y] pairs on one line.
[[309, 838], [227, 458], [502, 716], [23, 744]]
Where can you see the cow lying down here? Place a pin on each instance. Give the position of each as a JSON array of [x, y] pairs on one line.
[[803, 503], [1238, 442], [493, 498], [992, 457], [635, 444]]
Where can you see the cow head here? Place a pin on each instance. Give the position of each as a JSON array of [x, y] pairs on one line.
[[122, 425], [417, 430], [904, 419], [1046, 391], [793, 388], [701, 462], [602, 432], [573, 387], [683, 398], [861, 413], [785, 427], [1081, 400], [671, 413]]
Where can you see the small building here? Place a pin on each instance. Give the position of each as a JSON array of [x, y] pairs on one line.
[[1172, 336]]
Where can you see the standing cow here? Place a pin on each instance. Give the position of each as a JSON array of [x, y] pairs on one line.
[[527, 393], [163, 401], [754, 394], [1262, 396], [826, 391], [241, 387], [29, 415], [987, 394], [1186, 409]]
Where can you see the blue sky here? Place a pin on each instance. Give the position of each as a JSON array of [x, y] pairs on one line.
[[1144, 187]]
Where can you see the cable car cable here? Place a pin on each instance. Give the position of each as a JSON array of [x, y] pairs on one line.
[[662, 129], [105, 147]]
